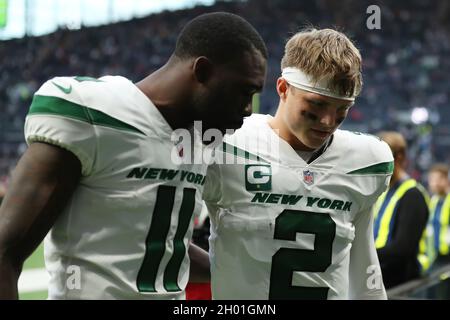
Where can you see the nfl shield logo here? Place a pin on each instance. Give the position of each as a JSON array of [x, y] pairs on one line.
[[308, 177]]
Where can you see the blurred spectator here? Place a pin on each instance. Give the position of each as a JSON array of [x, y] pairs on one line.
[[400, 215], [437, 241]]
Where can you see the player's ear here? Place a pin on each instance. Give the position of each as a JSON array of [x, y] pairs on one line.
[[282, 88], [203, 69]]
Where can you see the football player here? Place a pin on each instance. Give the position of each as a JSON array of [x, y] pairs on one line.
[[294, 221], [99, 175]]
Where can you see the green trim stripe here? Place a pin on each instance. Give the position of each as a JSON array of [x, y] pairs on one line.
[[238, 152], [82, 79], [156, 239], [379, 168], [64, 108], [179, 249]]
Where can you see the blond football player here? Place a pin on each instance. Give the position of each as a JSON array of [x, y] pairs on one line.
[[294, 221]]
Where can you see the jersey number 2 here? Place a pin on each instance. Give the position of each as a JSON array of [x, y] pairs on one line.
[[287, 261], [157, 239]]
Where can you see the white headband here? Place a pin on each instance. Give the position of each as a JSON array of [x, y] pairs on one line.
[[301, 80]]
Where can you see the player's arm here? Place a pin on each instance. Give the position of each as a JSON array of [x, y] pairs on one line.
[[200, 264], [365, 273], [42, 183], [199, 271]]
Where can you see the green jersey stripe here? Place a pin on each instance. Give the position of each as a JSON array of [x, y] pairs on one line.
[[82, 79], [156, 239], [379, 168], [179, 249], [64, 108], [238, 152]]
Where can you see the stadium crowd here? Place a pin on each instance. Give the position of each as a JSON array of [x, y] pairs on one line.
[[405, 64]]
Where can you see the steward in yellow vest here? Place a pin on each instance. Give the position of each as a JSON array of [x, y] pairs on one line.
[[400, 217], [434, 247]]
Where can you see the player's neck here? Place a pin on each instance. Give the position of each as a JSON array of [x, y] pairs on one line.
[[277, 124], [163, 88]]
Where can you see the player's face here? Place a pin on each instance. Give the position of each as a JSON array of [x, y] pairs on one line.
[[230, 92], [437, 182], [312, 118]]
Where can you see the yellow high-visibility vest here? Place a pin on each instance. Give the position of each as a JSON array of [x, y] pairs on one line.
[[436, 239], [385, 207]]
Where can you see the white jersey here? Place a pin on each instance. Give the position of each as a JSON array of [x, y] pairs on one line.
[[126, 229], [285, 229]]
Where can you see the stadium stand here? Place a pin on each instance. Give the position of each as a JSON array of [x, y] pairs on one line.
[[405, 64]]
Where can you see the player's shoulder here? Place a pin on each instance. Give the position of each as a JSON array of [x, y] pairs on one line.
[[253, 127], [248, 142], [364, 141], [81, 90], [253, 131], [80, 97], [363, 153], [253, 122]]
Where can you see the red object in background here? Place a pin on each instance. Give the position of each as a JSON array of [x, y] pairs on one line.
[[356, 115], [198, 291]]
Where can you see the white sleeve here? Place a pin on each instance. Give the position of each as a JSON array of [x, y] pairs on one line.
[[212, 193], [60, 119], [213, 185], [366, 281]]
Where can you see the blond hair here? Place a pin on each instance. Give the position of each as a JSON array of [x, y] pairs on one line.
[[326, 53]]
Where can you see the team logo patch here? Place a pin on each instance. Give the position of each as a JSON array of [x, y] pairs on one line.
[[308, 177], [258, 177]]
